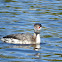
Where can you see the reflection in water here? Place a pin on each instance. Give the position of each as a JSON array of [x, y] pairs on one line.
[[8, 0], [18, 16], [36, 47]]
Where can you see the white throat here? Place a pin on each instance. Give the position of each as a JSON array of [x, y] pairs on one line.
[[37, 38]]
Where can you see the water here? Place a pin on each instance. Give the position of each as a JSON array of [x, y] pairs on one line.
[[17, 16]]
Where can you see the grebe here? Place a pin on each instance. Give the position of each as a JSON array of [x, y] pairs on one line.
[[24, 38]]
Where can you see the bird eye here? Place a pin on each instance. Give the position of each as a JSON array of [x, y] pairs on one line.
[[39, 27]]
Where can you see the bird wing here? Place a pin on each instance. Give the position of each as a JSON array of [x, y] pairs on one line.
[[21, 36]]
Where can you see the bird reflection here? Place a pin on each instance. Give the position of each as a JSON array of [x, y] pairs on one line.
[[36, 47], [35, 51]]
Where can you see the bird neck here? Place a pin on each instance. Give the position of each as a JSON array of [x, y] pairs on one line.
[[37, 36]]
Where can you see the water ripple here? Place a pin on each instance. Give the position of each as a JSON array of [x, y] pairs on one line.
[[19, 16]]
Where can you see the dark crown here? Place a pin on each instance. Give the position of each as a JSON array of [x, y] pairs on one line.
[[38, 24]]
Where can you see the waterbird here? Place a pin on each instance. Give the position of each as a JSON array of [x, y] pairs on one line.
[[26, 38]]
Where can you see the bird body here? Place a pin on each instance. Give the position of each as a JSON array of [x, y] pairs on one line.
[[22, 38], [19, 38]]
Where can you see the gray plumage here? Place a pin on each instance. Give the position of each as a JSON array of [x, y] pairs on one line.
[[20, 36], [24, 38]]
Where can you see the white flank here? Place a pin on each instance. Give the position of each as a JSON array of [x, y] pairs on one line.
[[15, 41]]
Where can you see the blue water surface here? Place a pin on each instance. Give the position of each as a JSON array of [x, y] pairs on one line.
[[19, 16]]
